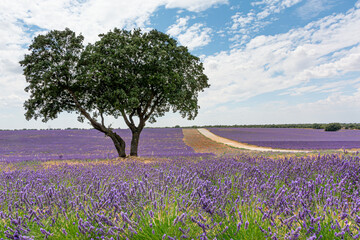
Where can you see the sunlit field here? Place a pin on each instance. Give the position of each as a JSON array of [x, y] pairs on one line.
[[86, 144], [172, 192], [293, 138]]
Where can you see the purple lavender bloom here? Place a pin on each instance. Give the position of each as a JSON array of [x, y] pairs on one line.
[[25, 238], [46, 233], [87, 144], [238, 226], [132, 230], [292, 138], [202, 218], [313, 237], [284, 191], [339, 234], [246, 224]]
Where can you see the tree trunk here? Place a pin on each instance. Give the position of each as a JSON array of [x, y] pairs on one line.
[[135, 142], [118, 142]]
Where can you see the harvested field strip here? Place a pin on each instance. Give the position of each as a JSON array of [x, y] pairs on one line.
[[236, 144], [202, 144]]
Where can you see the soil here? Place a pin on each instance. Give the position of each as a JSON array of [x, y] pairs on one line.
[[203, 141], [236, 144], [201, 144]]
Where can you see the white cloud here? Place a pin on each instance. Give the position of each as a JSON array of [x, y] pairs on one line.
[[331, 87], [194, 5], [92, 17], [326, 48], [179, 27], [245, 24], [193, 37], [274, 6], [242, 21], [336, 107], [313, 7], [11, 100], [18, 19]]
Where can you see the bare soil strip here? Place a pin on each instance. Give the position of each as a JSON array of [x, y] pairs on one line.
[[236, 144], [201, 144]]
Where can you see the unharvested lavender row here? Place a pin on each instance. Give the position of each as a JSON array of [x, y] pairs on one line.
[[292, 138], [229, 198], [86, 144]]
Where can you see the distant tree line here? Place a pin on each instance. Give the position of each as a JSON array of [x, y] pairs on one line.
[[291, 125], [329, 126]]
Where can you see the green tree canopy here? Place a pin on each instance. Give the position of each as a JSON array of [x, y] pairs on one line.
[[130, 74], [52, 72], [142, 75], [333, 127]]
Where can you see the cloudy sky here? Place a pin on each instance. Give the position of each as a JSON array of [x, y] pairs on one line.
[[268, 61]]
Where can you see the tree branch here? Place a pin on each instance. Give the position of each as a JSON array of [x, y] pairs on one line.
[[138, 110], [128, 123], [93, 122], [148, 104], [131, 117], [102, 118], [153, 107]]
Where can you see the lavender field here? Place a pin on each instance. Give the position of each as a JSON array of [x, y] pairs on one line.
[[292, 138], [86, 144], [240, 197], [186, 196]]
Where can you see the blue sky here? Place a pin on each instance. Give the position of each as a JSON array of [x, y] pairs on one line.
[[268, 61]]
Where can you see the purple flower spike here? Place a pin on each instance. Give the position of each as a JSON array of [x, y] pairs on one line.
[[151, 214], [238, 226], [46, 233], [246, 224]]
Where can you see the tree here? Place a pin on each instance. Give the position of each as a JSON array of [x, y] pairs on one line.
[[141, 76], [332, 127], [316, 126], [129, 74], [51, 69]]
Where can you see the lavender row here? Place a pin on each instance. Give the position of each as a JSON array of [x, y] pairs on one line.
[[292, 138], [86, 144], [307, 145], [187, 198]]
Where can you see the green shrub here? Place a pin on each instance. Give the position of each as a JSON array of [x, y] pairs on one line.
[[332, 127], [316, 126]]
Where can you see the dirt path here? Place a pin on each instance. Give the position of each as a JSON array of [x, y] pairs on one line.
[[202, 144], [240, 145]]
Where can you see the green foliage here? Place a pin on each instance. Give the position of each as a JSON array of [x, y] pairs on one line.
[[143, 75], [125, 73], [50, 70], [332, 127], [317, 126]]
